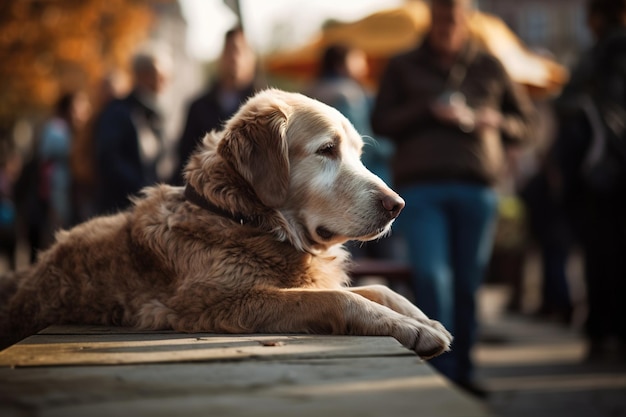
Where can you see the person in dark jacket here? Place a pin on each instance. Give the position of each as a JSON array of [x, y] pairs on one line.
[[449, 106], [234, 84], [128, 136], [590, 151]]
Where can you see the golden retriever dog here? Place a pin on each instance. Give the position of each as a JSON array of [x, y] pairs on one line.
[[252, 244]]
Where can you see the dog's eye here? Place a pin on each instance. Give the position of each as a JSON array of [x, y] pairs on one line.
[[328, 150]]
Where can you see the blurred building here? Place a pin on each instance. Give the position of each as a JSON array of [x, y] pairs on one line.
[[557, 27]]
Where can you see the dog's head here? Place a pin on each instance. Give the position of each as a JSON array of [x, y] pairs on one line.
[[302, 158]]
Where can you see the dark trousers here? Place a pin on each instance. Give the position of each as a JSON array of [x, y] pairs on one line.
[[603, 236]]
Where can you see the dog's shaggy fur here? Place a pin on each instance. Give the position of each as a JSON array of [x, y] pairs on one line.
[[254, 245]]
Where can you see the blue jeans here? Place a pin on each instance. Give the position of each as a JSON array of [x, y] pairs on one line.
[[449, 229]]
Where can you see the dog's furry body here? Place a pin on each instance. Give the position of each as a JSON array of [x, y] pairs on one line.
[[288, 189]]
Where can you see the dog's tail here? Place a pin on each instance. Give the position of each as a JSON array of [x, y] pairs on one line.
[[13, 321]]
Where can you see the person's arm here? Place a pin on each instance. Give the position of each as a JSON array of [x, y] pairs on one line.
[[517, 113], [395, 113]]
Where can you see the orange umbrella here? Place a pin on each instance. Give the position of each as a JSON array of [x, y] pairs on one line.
[[389, 32]]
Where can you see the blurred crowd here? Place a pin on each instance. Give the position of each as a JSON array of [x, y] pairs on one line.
[[489, 173]]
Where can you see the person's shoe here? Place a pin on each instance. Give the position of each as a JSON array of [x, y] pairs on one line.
[[474, 388]]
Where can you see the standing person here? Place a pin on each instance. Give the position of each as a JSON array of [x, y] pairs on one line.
[[71, 112], [448, 105], [235, 82], [128, 136], [339, 84], [591, 154], [549, 230]]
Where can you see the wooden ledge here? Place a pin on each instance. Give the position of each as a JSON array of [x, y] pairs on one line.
[[127, 373]]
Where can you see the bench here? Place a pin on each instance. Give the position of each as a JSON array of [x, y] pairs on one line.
[[101, 371]]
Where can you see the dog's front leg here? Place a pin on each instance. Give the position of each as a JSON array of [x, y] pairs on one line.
[[315, 311], [385, 296]]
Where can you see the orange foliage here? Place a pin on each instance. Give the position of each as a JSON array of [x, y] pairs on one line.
[[48, 46]]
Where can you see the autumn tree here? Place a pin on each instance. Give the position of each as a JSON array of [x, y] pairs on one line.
[[47, 46]]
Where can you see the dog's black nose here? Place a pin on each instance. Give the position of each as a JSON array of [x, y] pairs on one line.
[[393, 203]]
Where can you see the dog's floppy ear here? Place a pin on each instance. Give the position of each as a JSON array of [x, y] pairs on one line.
[[255, 144]]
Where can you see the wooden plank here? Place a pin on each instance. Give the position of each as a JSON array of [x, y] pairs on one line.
[[231, 375], [349, 386], [98, 348], [94, 329]]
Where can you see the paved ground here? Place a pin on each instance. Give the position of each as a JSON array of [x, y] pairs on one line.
[[537, 369]]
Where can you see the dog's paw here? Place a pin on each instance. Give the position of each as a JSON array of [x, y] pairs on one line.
[[426, 339], [438, 326], [432, 340]]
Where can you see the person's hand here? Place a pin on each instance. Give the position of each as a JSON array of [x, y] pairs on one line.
[[454, 114], [487, 118]]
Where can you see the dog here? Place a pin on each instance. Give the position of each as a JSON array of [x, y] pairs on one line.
[[251, 244]]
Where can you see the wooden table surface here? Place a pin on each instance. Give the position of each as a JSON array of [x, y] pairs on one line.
[[91, 371]]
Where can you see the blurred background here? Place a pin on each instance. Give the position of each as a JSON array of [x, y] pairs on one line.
[[51, 46], [48, 47]]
